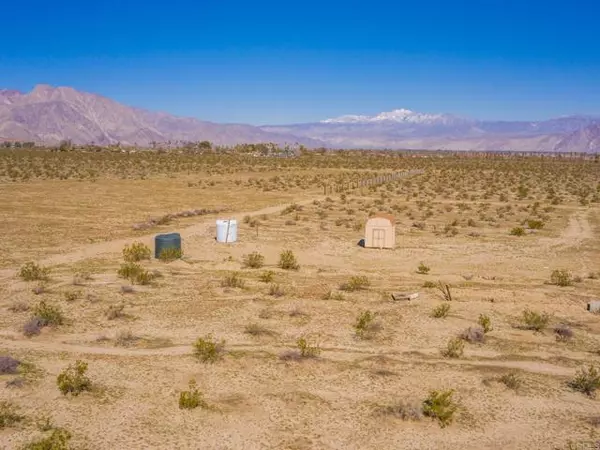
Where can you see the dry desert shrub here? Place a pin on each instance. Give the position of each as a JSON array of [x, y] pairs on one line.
[[31, 271], [454, 349], [254, 260], [136, 252], [287, 260], [192, 398], [440, 406], [356, 283], [209, 350], [73, 380]]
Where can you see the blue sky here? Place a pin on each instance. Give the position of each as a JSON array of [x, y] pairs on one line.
[[266, 62]]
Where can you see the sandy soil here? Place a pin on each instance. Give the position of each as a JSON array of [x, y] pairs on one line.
[[258, 400]]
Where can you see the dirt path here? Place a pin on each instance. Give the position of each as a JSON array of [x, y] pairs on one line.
[[577, 231], [338, 354], [116, 246]]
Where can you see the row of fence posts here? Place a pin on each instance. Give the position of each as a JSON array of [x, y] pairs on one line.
[[380, 179]]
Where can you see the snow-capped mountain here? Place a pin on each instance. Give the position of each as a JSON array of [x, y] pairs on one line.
[[399, 116]]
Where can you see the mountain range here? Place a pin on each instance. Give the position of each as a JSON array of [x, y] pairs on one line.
[[50, 114]]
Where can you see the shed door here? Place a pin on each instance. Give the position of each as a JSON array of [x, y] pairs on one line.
[[378, 237]]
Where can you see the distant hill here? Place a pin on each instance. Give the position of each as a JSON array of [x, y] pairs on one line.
[[51, 114]]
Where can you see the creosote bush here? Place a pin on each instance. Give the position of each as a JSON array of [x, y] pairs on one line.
[[209, 350], [535, 224], [356, 283], [587, 381], [136, 252], [9, 415], [276, 290], [561, 278], [454, 349], [48, 314], [485, 323], [233, 280], [170, 254], [191, 398], [135, 273], [535, 321], [511, 380], [440, 406], [429, 285], [287, 260], [441, 311], [254, 260], [31, 271], [517, 231], [57, 440], [423, 269], [73, 380], [366, 326]]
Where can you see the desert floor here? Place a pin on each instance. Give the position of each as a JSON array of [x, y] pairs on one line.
[[351, 396]]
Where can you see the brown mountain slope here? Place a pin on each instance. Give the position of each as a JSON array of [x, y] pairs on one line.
[[48, 114]]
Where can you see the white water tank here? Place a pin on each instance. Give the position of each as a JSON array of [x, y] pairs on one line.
[[226, 230]]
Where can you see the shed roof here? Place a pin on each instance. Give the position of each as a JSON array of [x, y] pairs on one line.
[[389, 217]]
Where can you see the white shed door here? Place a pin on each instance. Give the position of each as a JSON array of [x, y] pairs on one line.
[[378, 237]]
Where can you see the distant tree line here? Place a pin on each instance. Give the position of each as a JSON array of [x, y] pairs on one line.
[[17, 144]]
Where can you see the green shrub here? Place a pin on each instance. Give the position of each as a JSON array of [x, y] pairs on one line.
[[73, 379], [423, 269], [586, 381], [441, 311], [208, 350], [254, 260], [136, 252], [561, 278], [276, 290], [517, 231], [192, 398], [267, 276], [535, 321], [511, 380], [440, 406], [454, 349], [58, 440], [48, 314], [535, 224], [31, 271], [306, 349], [8, 415], [233, 280], [287, 260], [429, 284], [170, 254], [135, 273], [355, 283], [366, 325], [485, 322], [72, 296]]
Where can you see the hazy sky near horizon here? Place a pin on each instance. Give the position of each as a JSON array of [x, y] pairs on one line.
[[271, 62]]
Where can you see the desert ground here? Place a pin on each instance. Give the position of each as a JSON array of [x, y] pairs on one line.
[[316, 356]]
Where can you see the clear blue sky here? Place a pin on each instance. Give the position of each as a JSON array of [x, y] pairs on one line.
[[282, 62]]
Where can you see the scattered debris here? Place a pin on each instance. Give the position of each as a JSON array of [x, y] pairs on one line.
[[163, 220], [405, 296]]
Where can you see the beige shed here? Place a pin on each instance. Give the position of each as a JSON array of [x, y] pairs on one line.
[[380, 231]]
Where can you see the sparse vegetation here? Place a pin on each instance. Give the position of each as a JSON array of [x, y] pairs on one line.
[[170, 254], [276, 290], [135, 273], [517, 231], [136, 252], [440, 406], [233, 280], [254, 260], [423, 269], [366, 325], [209, 350], [534, 320], [441, 311], [31, 271], [192, 398], [57, 440], [355, 283], [587, 381], [8, 415], [454, 349], [48, 315], [485, 323], [561, 278], [511, 380], [267, 276], [287, 260], [73, 380]]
